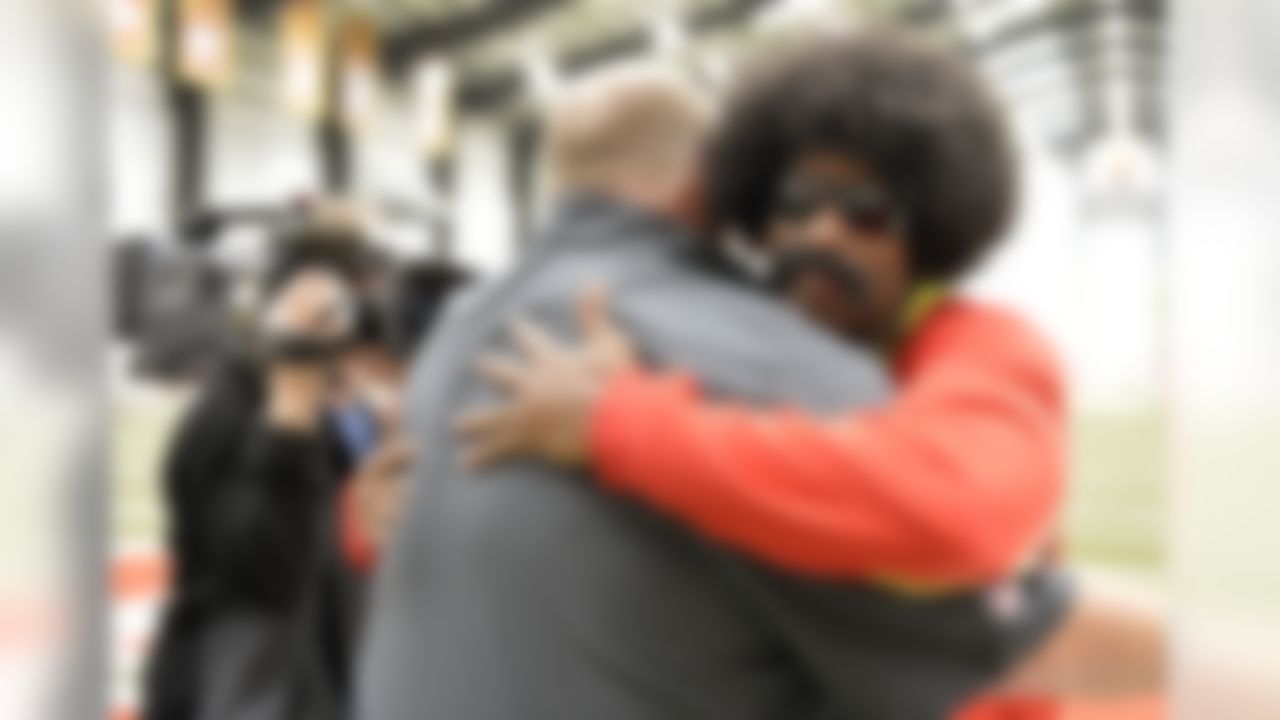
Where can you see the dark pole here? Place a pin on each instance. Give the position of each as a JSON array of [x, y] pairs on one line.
[[440, 174], [188, 112], [335, 155], [524, 140], [332, 137]]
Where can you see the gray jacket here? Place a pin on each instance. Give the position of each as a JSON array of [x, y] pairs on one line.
[[525, 591]]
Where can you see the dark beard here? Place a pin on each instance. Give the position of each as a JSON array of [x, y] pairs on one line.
[[788, 266]]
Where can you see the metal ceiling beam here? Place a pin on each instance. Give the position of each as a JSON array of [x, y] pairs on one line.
[[257, 10], [923, 12], [715, 17], [491, 89], [459, 29], [1067, 17], [1076, 26]]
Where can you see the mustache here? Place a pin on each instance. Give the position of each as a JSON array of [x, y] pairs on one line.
[[789, 266]]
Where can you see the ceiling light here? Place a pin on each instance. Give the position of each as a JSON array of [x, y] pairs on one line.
[[206, 42]]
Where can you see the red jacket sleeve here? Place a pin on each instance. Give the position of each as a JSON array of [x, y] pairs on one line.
[[956, 481]]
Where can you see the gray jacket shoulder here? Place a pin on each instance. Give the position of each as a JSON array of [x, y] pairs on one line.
[[738, 341], [749, 346]]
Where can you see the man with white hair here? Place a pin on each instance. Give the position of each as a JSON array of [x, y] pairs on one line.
[[525, 591]]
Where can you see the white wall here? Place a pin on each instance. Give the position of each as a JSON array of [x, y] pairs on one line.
[[387, 158], [484, 218], [137, 165], [1117, 339], [258, 153], [390, 166], [1084, 263], [1033, 271]]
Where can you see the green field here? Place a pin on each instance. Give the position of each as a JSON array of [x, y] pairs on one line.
[[1117, 512]]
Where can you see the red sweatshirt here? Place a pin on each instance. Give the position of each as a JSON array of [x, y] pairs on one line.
[[957, 480]]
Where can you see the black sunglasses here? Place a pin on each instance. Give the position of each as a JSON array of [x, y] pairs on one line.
[[865, 207]]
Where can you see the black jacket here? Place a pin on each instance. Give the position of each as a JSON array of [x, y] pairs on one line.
[[260, 619]]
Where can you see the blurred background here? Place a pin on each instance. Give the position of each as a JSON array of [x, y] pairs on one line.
[[1144, 248]]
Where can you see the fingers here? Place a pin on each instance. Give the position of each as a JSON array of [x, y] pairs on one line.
[[593, 312], [503, 372], [392, 458], [534, 341], [612, 348], [481, 422], [489, 449], [489, 435], [396, 456]]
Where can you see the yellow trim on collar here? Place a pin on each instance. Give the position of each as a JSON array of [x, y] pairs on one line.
[[925, 298]]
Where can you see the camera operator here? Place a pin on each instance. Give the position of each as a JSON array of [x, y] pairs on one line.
[[264, 608]]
